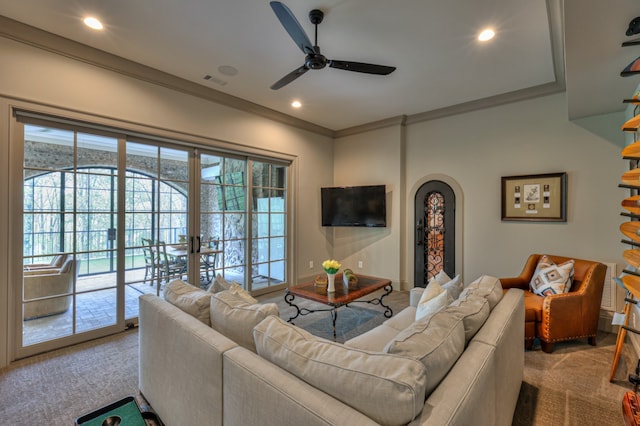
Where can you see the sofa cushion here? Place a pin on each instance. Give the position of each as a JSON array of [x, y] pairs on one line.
[[550, 278], [373, 340], [433, 299], [346, 374], [234, 317], [189, 298], [488, 287], [403, 319], [473, 310], [436, 341], [377, 338]]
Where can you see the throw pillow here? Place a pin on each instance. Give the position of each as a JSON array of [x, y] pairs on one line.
[[433, 299], [441, 277], [347, 374], [234, 317], [436, 341], [189, 299], [550, 278], [220, 284], [454, 286]]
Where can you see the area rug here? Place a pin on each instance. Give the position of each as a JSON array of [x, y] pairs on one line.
[[350, 322]]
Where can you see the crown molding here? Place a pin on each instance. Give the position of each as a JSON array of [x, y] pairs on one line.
[[374, 125], [36, 37], [492, 101], [41, 39]]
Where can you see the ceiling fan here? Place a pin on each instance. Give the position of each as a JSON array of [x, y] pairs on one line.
[[314, 59]]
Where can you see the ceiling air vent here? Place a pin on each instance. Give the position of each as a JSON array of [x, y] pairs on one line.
[[215, 80]]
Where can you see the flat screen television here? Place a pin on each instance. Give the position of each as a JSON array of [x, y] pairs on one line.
[[354, 206]]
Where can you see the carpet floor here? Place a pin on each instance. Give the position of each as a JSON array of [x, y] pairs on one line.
[[568, 387]]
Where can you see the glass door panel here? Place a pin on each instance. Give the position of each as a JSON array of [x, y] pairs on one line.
[[156, 219], [223, 219], [268, 225], [69, 216]]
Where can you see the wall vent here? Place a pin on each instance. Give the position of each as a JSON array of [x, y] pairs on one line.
[[215, 80], [612, 294]]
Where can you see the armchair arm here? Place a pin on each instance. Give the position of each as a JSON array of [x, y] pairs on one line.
[[562, 317], [42, 271], [522, 280], [514, 282]]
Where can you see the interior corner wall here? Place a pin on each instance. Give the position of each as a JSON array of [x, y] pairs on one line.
[[528, 137], [76, 87], [475, 150], [372, 158]]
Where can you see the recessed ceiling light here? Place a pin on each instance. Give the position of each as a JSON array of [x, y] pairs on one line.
[[296, 104], [92, 22], [486, 34]]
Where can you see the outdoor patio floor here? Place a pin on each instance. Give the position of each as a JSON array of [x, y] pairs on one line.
[[97, 309]]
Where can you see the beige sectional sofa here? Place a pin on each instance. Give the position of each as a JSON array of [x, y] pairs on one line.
[[462, 365]]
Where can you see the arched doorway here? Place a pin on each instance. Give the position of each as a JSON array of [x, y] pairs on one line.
[[434, 245]]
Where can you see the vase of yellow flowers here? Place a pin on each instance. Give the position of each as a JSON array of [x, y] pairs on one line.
[[331, 267]]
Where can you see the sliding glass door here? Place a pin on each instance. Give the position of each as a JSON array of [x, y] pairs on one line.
[[107, 217]]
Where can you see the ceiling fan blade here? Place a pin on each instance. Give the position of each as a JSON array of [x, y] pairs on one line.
[[293, 27], [289, 77], [361, 67]]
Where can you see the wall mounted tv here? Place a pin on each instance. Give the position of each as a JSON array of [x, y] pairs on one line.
[[354, 206]]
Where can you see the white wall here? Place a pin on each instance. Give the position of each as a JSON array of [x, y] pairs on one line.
[[371, 158], [34, 75], [475, 150]]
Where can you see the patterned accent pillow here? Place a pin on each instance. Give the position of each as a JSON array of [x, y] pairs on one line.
[[550, 278]]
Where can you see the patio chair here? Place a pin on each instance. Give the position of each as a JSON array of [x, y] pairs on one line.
[[208, 259], [53, 286], [56, 263], [151, 261], [170, 266]]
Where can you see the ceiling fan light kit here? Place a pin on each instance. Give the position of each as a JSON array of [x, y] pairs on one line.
[[315, 60]]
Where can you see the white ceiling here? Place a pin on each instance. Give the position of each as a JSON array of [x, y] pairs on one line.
[[440, 65]]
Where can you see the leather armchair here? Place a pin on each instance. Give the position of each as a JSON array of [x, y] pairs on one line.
[[566, 316]]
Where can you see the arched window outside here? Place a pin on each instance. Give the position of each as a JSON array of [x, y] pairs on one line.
[[49, 221]]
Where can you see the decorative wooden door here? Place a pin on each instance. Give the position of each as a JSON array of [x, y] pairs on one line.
[[435, 231]]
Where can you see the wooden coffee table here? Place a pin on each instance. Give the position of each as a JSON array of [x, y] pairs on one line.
[[342, 296]]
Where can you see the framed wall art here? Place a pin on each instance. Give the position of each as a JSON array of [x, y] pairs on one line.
[[541, 198]]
